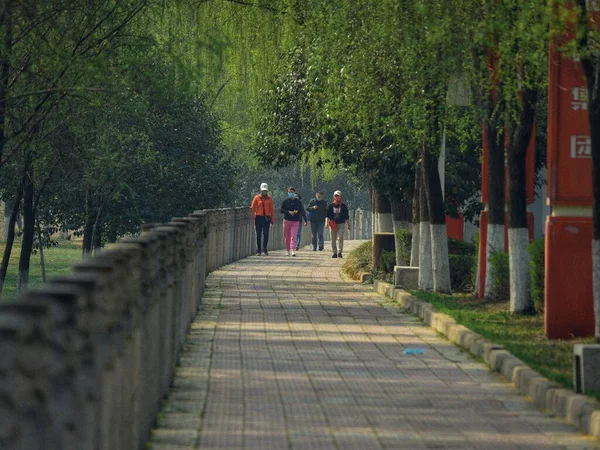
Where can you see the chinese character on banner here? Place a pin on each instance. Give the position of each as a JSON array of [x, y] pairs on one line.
[[594, 5], [581, 147], [579, 99]]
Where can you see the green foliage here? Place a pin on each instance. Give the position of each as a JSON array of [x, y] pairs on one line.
[[457, 247], [461, 272], [404, 244], [387, 261], [359, 260], [500, 275], [536, 271]]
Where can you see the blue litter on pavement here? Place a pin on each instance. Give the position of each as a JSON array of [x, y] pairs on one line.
[[414, 351]]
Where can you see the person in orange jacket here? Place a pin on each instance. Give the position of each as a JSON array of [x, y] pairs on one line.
[[264, 216]]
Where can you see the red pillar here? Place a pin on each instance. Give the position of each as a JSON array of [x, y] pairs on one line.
[[568, 280]]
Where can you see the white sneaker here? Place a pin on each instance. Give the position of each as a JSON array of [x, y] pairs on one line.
[[293, 253], [287, 253]]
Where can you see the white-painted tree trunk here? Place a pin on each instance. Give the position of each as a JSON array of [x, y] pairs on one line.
[[495, 243], [414, 249], [385, 223], [439, 258], [518, 240], [596, 284], [425, 268]]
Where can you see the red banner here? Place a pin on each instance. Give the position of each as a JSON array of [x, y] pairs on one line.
[[569, 143]]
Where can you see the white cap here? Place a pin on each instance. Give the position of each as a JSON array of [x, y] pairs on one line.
[[338, 193], [264, 187]]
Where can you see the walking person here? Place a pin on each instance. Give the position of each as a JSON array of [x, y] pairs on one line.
[[292, 211], [317, 208], [338, 219], [303, 216], [264, 216]]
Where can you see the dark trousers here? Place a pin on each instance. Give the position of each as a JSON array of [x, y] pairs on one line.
[[262, 229], [317, 234]]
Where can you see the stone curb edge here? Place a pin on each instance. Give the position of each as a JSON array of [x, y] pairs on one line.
[[577, 409]]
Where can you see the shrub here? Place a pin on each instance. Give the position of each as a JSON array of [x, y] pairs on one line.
[[359, 260], [536, 272], [387, 261], [461, 272], [456, 247], [500, 275], [404, 244]]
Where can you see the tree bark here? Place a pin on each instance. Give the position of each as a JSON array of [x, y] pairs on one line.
[[383, 213], [28, 233], [425, 282], [98, 229], [41, 245], [88, 228], [437, 216], [10, 236], [496, 201], [518, 233], [414, 250]]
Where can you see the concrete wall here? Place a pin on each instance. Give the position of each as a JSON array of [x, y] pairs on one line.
[[88, 359]]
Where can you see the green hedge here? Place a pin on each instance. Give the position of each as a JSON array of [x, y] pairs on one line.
[[500, 275], [536, 272], [456, 247], [387, 261]]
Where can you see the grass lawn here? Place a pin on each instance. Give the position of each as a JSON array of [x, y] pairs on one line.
[[58, 260], [523, 336]]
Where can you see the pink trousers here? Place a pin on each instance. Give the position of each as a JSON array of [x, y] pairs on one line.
[[290, 230]]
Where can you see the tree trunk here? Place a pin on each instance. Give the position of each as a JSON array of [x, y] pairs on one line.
[[97, 235], [41, 245], [383, 214], [10, 237], [414, 249], [437, 216], [384, 223], [425, 282], [518, 233], [28, 233], [88, 228], [496, 189], [400, 222]]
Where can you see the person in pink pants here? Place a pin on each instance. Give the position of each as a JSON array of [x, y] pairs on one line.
[[292, 211]]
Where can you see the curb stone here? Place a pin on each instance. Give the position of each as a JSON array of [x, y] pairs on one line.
[[577, 409]]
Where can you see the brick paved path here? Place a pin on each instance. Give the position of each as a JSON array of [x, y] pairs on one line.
[[287, 355]]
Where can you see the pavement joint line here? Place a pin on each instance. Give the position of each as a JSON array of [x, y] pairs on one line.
[[293, 355]]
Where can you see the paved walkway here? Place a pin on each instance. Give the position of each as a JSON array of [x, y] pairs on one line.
[[287, 355]]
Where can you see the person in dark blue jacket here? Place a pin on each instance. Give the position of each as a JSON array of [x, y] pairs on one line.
[[292, 211]]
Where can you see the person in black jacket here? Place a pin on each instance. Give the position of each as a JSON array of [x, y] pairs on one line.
[[317, 208], [338, 219], [292, 211]]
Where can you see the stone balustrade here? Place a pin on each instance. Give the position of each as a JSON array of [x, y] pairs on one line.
[[88, 359]]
